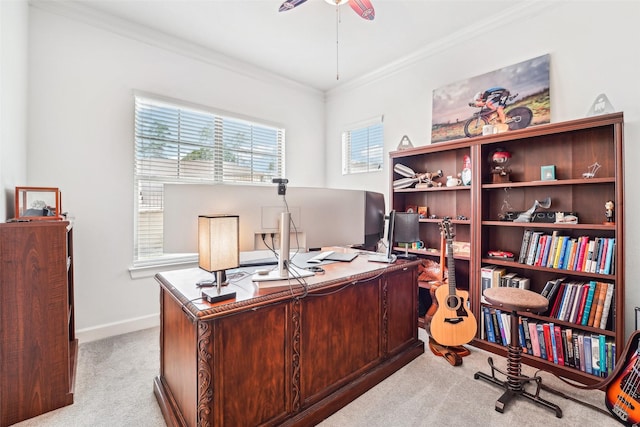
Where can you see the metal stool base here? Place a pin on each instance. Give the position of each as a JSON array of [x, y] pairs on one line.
[[514, 386]]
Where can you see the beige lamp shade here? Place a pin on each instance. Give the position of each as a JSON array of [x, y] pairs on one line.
[[218, 242]]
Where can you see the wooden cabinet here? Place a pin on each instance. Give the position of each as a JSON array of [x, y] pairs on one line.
[[286, 355], [38, 348], [575, 148]]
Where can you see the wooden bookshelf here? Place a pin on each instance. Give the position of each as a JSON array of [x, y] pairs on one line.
[[479, 209], [38, 347]]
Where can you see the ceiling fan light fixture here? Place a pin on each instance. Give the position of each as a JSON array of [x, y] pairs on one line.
[[337, 2]]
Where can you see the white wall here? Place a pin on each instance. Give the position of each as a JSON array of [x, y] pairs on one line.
[[592, 51], [13, 101], [82, 77]]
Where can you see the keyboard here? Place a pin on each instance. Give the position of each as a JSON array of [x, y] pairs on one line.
[[259, 262], [317, 259], [382, 258]]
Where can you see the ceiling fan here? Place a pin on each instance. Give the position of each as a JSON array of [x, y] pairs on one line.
[[363, 8]]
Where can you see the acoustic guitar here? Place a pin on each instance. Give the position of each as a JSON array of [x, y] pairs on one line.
[[453, 323], [623, 391]]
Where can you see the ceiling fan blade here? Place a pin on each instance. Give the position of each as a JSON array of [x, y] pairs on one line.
[[290, 4], [363, 8]]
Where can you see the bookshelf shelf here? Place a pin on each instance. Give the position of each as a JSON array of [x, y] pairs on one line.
[[572, 147]]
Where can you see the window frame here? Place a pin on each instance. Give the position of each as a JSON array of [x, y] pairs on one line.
[[208, 170], [374, 129]]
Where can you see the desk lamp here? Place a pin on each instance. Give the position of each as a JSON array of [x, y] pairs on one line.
[[406, 230], [218, 250]]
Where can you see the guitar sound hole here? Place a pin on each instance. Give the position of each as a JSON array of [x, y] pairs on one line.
[[453, 302]]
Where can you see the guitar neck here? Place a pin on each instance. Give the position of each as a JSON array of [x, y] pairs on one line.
[[451, 265]]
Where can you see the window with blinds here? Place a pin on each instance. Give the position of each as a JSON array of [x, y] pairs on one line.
[[362, 148], [175, 144]]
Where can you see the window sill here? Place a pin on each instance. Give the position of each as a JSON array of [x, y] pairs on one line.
[[146, 269]]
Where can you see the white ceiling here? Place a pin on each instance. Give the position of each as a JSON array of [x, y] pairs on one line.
[[300, 44]]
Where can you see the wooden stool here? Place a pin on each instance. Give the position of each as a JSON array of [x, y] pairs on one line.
[[515, 300]]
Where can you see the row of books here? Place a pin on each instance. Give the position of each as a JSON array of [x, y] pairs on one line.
[[582, 303], [568, 253], [492, 276], [587, 352]]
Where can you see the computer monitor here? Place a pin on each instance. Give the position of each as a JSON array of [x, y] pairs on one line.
[[406, 231], [320, 217], [374, 220]]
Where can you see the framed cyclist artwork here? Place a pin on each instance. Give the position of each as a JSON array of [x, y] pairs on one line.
[[510, 98]]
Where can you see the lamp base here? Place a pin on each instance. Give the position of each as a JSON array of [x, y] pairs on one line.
[[407, 256], [213, 295]]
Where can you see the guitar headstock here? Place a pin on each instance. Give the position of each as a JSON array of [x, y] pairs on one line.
[[445, 226]]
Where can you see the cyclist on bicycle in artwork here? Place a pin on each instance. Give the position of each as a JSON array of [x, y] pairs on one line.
[[494, 99]]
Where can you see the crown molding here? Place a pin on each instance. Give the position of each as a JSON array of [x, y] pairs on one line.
[[95, 18], [518, 12]]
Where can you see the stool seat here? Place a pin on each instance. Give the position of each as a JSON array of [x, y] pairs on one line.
[[516, 299]]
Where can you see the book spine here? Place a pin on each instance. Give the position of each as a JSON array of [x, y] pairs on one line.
[[559, 345], [569, 348], [578, 345], [577, 301], [595, 355], [562, 241], [607, 263], [527, 335], [587, 354], [599, 304], [607, 306], [589, 257], [532, 247], [603, 255], [546, 332], [496, 327], [594, 304], [491, 337], [587, 307], [539, 249], [524, 247], [523, 342], [541, 341], [575, 244], [583, 302], [545, 252], [604, 371], [533, 333]]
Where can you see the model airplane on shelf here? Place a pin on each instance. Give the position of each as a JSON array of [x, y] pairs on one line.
[[363, 8]]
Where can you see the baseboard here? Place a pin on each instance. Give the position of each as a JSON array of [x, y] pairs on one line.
[[117, 328]]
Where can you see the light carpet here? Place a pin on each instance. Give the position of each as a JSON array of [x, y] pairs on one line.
[[114, 387]]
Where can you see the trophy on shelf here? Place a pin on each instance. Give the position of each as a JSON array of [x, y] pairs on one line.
[[528, 215], [500, 170]]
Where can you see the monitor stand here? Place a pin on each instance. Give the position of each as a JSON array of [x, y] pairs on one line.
[[285, 270]]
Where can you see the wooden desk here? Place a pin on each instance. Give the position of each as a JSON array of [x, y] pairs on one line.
[[278, 356]]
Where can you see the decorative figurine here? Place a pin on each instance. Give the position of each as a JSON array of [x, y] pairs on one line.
[[591, 172], [609, 212], [465, 175], [527, 215], [411, 177], [500, 159]]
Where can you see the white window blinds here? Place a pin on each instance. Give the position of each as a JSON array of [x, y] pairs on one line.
[[175, 143], [362, 148]]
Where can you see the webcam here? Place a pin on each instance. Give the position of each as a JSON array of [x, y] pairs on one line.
[[282, 185]]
